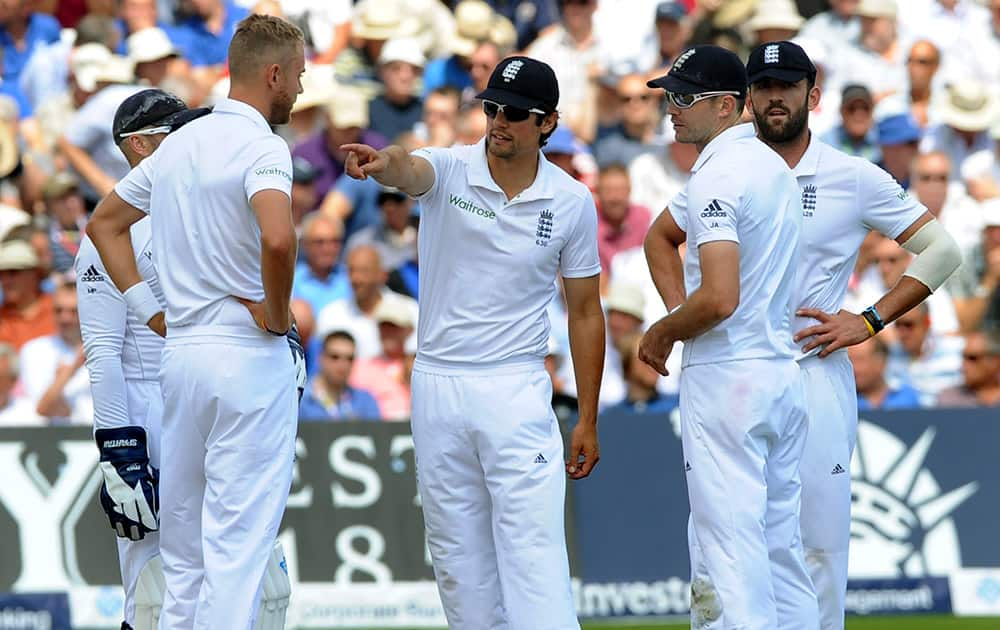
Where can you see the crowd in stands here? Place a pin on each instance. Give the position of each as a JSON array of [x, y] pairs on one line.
[[912, 85]]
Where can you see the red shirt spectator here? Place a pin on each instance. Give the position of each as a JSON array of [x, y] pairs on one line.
[[621, 225], [26, 312]]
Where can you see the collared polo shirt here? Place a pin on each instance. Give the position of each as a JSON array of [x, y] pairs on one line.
[[206, 241], [488, 265], [742, 191]]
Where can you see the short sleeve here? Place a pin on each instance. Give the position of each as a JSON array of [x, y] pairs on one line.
[[440, 160], [579, 257], [885, 206], [712, 206], [678, 208], [136, 188], [271, 168]]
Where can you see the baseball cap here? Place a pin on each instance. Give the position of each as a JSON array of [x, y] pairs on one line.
[[302, 171], [405, 49], [393, 311], [149, 44], [856, 92], [59, 185], [898, 129], [784, 61], [523, 82], [152, 108], [670, 10], [563, 141], [626, 298], [704, 68], [877, 9], [17, 256]]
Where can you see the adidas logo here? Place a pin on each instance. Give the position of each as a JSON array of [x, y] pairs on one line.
[[838, 469], [713, 210], [687, 466], [92, 275], [540, 459]]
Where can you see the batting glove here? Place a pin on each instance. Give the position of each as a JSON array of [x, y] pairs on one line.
[[130, 493], [298, 356]]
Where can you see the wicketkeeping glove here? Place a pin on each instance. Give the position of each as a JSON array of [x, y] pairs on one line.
[[130, 493], [298, 356]]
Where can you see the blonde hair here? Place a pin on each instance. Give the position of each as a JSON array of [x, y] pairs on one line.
[[262, 40]]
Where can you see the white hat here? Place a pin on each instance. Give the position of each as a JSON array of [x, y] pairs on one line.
[[377, 19], [84, 63], [405, 49], [117, 69], [318, 88], [473, 25], [149, 44], [626, 298], [349, 108], [10, 218], [393, 311], [991, 212], [877, 9], [17, 255], [815, 49], [776, 14], [969, 106]]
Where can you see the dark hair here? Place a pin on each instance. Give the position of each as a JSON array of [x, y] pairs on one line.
[[448, 91], [539, 119], [339, 334]]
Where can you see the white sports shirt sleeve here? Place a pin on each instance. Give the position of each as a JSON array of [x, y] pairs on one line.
[[579, 257], [136, 188], [271, 170], [885, 206], [712, 211]]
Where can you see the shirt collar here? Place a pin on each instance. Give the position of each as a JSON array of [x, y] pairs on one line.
[[479, 175], [809, 162], [734, 133], [239, 108]]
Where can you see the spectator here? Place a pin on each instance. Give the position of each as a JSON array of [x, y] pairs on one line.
[[319, 279], [375, 21], [437, 127], [977, 57], [657, 177], [981, 170], [53, 373], [976, 284], [625, 306], [153, 54], [927, 361], [473, 20], [898, 139], [641, 394], [326, 25], [569, 154], [636, 134], [483, 59], [67, 216], [398, 109], [878, 61], [967, 111], [307, 117], [27, 312], [134, 16], [529, 17], [346, 122], [856, 134], [921, 66], [304, 197], [869, 360], [621, 224], [471, 125], [356, 314], [775, 21], [22, 31], [204, 35], [836, 28], [14, 411], [946, 200], [394, 236], [671, 32], [980, 374], [329, 396], [384, 375]]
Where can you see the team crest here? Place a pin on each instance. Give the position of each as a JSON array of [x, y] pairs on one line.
[[543, 232], [808, 200]]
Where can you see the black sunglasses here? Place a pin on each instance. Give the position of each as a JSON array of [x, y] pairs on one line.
[[512, 114]]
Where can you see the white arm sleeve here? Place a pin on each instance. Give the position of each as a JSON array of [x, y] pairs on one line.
[[102, 323], [937, 255]]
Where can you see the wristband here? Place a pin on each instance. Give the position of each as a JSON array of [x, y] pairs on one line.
[[873, 319], [871, 330], [142, 301]]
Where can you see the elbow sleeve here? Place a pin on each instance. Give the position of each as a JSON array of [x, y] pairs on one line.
[[937, 255]]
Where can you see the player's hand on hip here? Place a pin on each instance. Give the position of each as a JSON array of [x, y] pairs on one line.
[[130, 492], [655, 347], [584, 451], [158, 324], [258, 310], [363, 160], [834, 331]]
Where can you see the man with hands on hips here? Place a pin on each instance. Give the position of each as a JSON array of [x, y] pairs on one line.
[[500, 224]]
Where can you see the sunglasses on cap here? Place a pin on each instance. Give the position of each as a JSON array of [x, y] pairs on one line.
[[151, 131], [512, 114], [687, 101]]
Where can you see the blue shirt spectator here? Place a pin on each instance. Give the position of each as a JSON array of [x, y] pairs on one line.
[[362, 197], [40, 29], [11, 90], [201, 46], [659, 403], [446, 71], [327, 395], [902, 397]]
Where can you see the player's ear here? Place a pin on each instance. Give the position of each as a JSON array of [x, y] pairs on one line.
[[273, 74], [815, 94]]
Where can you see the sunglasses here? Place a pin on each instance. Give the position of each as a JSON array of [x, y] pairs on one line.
[[933, 177], [687, 101], [152, 131], [973, 357], [333, 356], [512, 114], [922, 61]]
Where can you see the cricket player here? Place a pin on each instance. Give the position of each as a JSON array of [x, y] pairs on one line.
[[500, 224], [843, 197], [218, 194], [743, 423]]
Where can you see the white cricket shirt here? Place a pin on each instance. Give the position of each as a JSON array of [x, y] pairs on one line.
[[742, 191], [118, 346], [206, 241], [488, 265], [843, 198]]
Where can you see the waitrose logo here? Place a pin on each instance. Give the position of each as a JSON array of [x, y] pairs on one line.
[[269, 171], [471, 208]]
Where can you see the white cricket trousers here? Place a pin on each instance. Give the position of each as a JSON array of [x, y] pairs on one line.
[[743, 429], [228, 445], [145, 409], [832, 407], [492, 482]]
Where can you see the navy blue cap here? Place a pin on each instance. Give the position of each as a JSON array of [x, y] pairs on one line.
[[152, 108], [898, 129], [784, 61], [670, 10], [523, 82], [704, 68]]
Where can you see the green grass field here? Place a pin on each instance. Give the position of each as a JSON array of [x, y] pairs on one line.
[[853, 623]]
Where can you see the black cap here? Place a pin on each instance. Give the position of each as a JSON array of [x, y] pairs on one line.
[[302, 171], [670, 10], [783, 61], [856, 92], [152, 108], [523, 82], [704, 68]]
